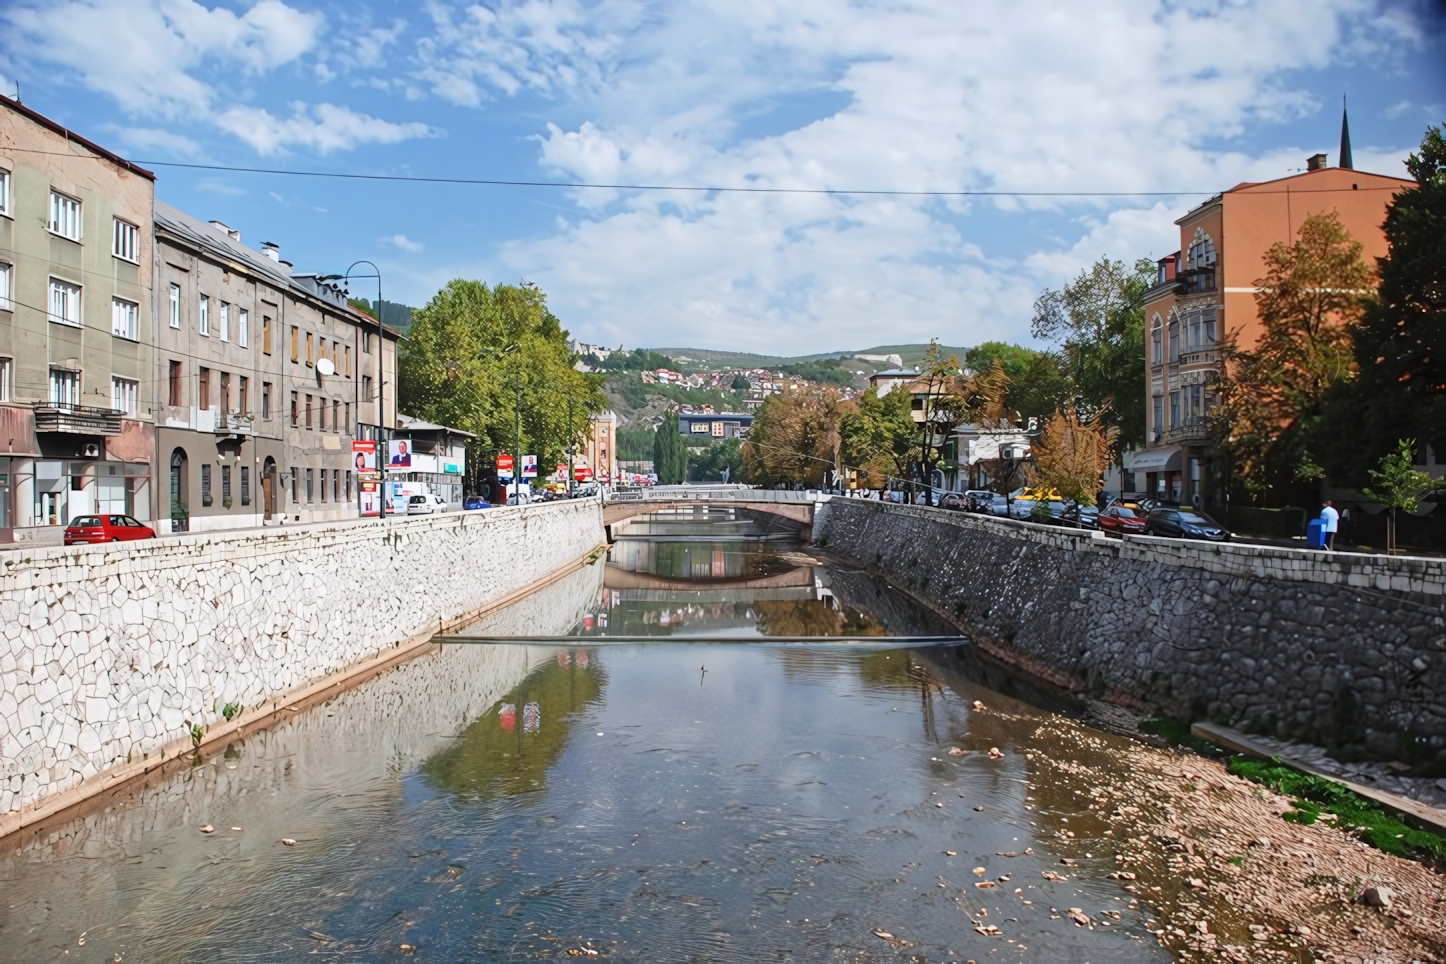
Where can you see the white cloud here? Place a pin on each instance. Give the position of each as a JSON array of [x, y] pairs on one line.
[[1135, 96], [152, 138], [322, 127], [403, 243]]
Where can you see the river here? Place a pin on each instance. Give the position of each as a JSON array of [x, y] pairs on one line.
[[744, 751]]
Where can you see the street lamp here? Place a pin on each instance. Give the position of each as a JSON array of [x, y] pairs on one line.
[[381, 453]]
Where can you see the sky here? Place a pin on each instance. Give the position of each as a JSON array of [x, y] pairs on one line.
[[1124, 97]]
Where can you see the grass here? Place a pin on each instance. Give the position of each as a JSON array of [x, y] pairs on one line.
[[1314, 796], [1178, 732]]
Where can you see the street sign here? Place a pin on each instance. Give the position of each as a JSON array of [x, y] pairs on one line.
[[504, 466], [582, 473]]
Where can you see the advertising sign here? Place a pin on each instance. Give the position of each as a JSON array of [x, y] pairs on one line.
[[529, 466], [717, 429], [582, 473], [698, 428], [369, 502], [504, 466], [399, 453]]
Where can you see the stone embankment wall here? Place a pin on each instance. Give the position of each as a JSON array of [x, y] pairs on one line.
[[1336, 648], [108, 651]]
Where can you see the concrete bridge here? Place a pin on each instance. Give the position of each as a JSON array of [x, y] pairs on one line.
[[787, 504]]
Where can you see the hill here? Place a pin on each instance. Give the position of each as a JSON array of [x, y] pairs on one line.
[[695, 359]]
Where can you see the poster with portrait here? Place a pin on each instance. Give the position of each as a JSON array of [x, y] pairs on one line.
[[399, 453]]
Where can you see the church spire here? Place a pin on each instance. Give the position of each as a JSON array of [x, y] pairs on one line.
[[1346, 161]]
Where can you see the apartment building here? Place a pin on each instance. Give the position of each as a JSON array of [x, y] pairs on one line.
[[76, 363], [1207, 289], [267, 377]]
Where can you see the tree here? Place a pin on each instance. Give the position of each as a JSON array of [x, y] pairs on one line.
[[670, 452], [1071, 453], [1099, 321], [720, 461], [1400, 348], [474, 350], [877, 436], [740, 382], [1038, 381], [1397, 485], [1271, 394], [793, 437]]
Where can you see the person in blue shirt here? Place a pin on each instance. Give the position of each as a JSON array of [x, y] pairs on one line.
[[1330, 521]]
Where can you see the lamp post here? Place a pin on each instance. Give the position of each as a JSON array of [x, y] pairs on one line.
[[381, 453]]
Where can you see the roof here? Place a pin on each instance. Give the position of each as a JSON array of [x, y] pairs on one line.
[[71, 135], [208, 236], [408, 423], [896, 373]]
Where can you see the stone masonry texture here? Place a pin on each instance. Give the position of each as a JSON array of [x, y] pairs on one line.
[[1340, 649], [109, 651]]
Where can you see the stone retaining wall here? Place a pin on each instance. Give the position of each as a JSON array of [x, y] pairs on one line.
[[109, 651], [1337, 648]]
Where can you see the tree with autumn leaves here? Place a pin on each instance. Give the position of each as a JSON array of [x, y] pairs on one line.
[[1071, 453]]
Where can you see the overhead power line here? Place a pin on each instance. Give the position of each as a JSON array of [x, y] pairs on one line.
[[705, 189]]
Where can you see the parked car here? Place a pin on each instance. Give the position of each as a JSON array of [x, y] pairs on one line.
[[1120, 520], [475, 502], [425, 504], [958, 501], [87, 529], [1074, 516], [1184, 524]]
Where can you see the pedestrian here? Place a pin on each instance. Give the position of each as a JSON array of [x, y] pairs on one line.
[[1330, 521]]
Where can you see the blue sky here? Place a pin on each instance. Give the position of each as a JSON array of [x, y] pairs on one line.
[[910, 94]]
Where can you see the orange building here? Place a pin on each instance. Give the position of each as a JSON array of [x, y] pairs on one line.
[[1207, 289]]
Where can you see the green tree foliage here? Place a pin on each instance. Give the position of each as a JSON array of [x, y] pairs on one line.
[[670, 452], [473, 348], [637, 360], [1272, 393], [1400, 348], [1398, 485], [740, 383], [1038, 382], [720, 461], [825, 371], [1098, 319], [877, 435], [635, 442]]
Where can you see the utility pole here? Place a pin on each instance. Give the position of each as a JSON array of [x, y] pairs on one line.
[[381, 452], [571, 443], [517, 465]]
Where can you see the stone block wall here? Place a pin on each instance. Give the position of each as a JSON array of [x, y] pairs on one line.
[[108, 651], [1337, 648]]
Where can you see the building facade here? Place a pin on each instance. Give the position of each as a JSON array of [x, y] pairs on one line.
[[1207, 289], [76, 364], [435, 456]]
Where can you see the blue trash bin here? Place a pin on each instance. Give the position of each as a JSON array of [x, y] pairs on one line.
[[1315, 534]]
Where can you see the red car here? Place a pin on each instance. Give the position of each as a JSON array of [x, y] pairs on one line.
[[105, 528], [1119, 520]]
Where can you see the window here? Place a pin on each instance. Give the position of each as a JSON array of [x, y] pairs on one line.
[[366, 388], [5, 367], [336, 356], [323, 484], [310, 496], [206, 483], [1202, 251], [308, 415], [64, 216], [243, 405], [243, 319], [64, 302], [175, 306], [295, 340], [347, 355], [1159, 415], [4, 192], [1174, 409], [295, 409], [225, 331], [347, 425], [245, 485], [5, 281], [265, 399], [125, 240], [123, 318], [1174, 340], [203, 320], [1157, 349], [266, 334], [336, 425], [203, 388], [226, 485], [366, 342], [348, 485], [294, 473], [336, 485], [64, 387], [1207, 328], [177, 393], [310, 351], [123, 395], [321, 415], [225, 392]]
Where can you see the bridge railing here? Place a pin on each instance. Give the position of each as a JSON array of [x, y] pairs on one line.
[[714, 493]]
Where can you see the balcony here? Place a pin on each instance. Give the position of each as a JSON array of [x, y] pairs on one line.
[[77, 419], [234, 424], [1192, 430]]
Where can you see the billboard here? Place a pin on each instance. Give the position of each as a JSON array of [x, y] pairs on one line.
[[369, 500], [504, 466], [717, 429], [399, 453], [529, 466]]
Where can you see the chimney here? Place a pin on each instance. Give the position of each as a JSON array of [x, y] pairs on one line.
[[221, 226], [271, 249], [1316, 162]]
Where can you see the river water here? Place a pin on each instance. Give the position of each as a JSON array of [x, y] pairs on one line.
[[674, 784]]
